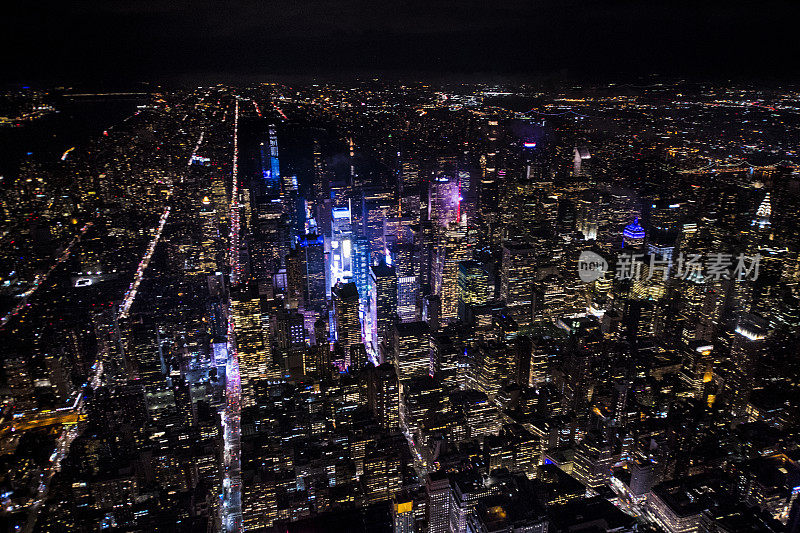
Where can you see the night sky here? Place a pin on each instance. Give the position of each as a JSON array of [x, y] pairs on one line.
[[117, 41]]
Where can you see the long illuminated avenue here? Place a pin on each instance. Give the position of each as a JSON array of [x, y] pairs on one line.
[[196, 149], [130, 295], [232, 483], [40, 279]]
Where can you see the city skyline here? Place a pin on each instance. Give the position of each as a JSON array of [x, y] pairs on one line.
[[371, 305]]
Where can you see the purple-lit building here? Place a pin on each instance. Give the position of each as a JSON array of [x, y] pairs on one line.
[[633, 235]]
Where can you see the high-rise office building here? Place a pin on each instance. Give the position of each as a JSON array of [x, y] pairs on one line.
[[320, 183], [746, 349], [641, 477], [383, 303], [443, 200], [488, 192], [382, 472], [594, 458], [345, 307], [270, 166], [383, 395], [452, 248], [251, 344], [209, 236], [437, 490], [259, 505], [412, 349], [466, 491], [474, 287], [313, 253], [697, 367], [633, 236], [295, 279], [377, 205], [410, 191], [494, 365], [404, 259], [361, 264], [517, 276], [402, 514], [581, 162], [480, 414]]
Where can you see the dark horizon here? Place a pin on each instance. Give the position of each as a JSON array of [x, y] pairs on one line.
[[592, 41]]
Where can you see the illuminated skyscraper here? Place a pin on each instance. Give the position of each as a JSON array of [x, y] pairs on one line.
[[291, 205], [313, 253], [320, 183], [493, 366], [587, 209], [453, 247], [270, 166], [221, 200], [291, 332], [467, 195], [382, 472], [407, 294], [409, 191], [341, 242], [377, 204], [412, 349], [488, 193], [763, 214], [539, 367], [703, 303], [581, 161], [437, 489], [467, 490], [517, 275], [594, 458], [697, 367], [345, 306], [443, 201], [425, 244], [474, 287], [383, 303], [746, 349], [251, 345], [273, 233], [480, 414], [361, 265], [383, 395], [259, 506], [210, 236], [633, 236], [403, 515], [295, 279], [404, 259]]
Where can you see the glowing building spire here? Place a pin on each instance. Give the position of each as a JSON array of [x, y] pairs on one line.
[[633, 235], [763, 213]]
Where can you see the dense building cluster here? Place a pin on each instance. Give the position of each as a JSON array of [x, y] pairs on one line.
[[406, 308]]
